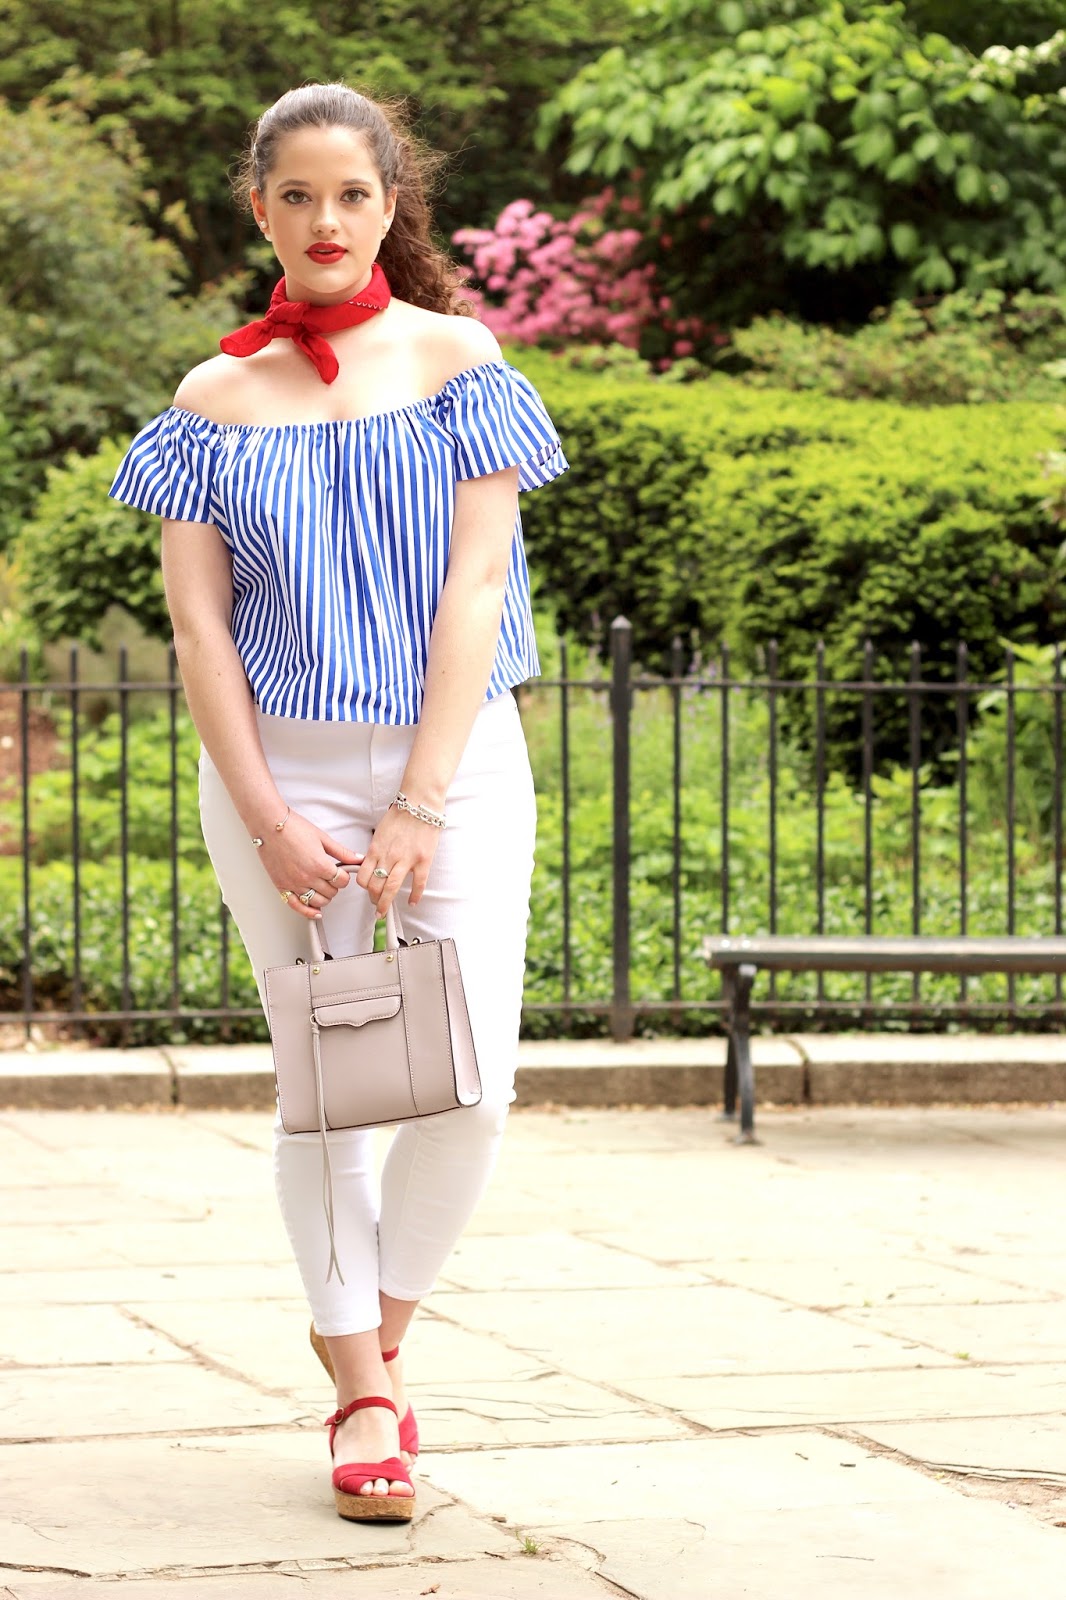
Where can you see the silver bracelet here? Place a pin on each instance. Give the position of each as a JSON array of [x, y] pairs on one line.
[[436, 819]]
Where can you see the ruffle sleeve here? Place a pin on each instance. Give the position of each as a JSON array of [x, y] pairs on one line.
[[497, 420], [167, 470]]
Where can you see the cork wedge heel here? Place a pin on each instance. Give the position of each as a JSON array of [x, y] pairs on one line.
[[408, 1422], [352, 1476]]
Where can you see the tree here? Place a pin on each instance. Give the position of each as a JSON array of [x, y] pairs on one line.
[[93, 331], [189, 77], [821, 156]]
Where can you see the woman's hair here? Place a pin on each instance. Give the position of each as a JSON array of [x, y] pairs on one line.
[[416, 269]]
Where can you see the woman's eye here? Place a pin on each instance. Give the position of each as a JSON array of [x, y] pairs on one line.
[[293, 195], [355, 194]]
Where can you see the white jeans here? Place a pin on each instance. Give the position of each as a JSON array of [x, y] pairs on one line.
[[397, 1235]]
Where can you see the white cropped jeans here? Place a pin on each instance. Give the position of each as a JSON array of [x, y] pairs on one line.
[[394, 1236]]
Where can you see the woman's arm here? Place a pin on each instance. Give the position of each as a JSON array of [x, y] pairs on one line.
[[462, 648], [198, 578]]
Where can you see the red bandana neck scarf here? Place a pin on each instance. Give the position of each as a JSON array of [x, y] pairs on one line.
[[306, 324]]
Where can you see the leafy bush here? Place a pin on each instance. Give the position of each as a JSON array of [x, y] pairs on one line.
[[825, 156], [963, 349], [723, 511], [81, 553]]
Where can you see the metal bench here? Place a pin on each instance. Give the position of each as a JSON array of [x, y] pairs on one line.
[[740, 960]]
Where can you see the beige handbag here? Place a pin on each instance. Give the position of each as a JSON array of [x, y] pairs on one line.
[[369, 1039]]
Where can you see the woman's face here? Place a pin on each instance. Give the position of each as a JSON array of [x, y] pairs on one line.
[[324, 209]]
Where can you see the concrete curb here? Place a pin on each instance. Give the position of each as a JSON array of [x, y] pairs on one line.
[[811, 1069]]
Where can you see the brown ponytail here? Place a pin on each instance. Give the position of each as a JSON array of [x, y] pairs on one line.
[[416, 269]]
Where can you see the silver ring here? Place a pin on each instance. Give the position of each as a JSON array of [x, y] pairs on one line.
[[380, 872], [307, 896], [336, 875]]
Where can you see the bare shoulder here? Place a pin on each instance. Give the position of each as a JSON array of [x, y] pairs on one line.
[[450, 344], [213, 390]]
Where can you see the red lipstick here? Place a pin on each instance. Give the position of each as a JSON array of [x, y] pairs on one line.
[[326, 253]]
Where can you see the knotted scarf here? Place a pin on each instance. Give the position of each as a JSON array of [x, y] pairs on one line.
[[306, 324]]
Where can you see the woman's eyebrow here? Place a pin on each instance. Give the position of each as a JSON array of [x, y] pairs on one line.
[[305, 183]]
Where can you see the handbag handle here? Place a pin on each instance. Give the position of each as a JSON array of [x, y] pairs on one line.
[[393, 936]]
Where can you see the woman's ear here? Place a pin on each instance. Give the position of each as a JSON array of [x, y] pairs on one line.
[[259, 211]]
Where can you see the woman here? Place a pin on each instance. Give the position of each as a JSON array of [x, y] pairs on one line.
[[343, 564]]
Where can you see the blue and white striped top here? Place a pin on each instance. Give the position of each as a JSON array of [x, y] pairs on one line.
[[339, 535]]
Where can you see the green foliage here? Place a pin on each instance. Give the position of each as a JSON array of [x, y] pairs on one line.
[[188, 78], [93, 335], [696, 875], [723, 511], [824, 156], [751, 910], [963, 348], [981, 23], [152, 983], [157, 774], [81, 553], [1019, 729]]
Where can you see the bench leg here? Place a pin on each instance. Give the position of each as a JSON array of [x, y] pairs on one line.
[[729, 1083], [739, 1072]]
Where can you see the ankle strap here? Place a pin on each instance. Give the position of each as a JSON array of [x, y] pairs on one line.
[[390, 1355], [360, 1405]]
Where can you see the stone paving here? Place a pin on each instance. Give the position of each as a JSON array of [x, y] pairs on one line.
[[658, 1365]]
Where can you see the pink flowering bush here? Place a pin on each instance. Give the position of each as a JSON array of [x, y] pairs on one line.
[[578, 280]]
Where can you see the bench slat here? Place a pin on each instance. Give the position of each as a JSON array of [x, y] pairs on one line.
[[918, 953]]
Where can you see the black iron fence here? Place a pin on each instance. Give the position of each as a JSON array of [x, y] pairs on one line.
[[672, 807]]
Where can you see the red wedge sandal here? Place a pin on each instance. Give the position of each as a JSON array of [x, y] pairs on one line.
[[408, 1424], [354, 1475]]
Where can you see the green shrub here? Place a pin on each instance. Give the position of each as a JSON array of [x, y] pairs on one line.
[[81, 553], [723, 511], [964, 349], [824, 156]]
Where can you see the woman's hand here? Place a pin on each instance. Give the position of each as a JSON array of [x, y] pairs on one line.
[[302, 857], [401, 846]]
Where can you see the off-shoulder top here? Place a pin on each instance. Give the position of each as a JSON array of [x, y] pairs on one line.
[[339, 535]]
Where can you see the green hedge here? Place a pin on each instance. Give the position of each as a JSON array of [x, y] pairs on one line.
[[715, 510]]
